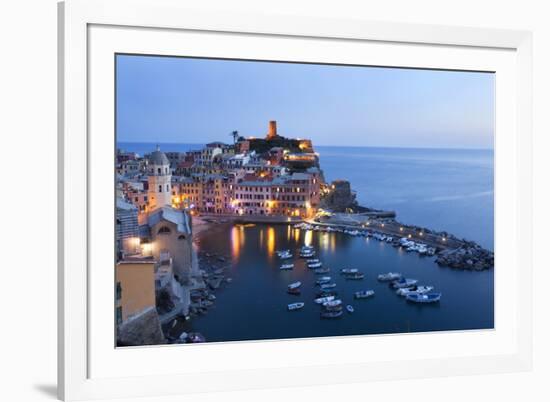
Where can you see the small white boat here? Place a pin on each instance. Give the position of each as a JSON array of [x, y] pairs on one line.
[[390, 276], [279, 252], [325, 299], [295, 285], [312, 260], [350, 308], [286, 266], [285, 256], [315, 265], [320, 271], [355, 276], [427, 298], [349, 270], [332, 303], [418, 290], [404, 283], [363, 294], [328, 286], [324, 279], [295, 306]]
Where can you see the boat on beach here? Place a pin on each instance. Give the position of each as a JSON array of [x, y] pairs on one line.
[[390, 276], [363, 294], [295, 306], [425, 298], [286, 266]]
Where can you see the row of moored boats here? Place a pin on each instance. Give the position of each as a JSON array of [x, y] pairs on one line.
[[326, 297], [403, 242]]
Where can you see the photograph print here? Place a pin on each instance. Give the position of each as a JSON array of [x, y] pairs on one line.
[[269, 200]]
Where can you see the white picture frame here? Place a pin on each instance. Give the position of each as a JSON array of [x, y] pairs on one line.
[[83, 27]]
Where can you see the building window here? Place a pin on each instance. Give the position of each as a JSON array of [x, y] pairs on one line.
[[164, 230], [168, 188], [118, 291], [158, 170], [181, 237], [160, 188]]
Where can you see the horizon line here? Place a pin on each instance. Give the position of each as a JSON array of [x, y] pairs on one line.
[[323, 145]]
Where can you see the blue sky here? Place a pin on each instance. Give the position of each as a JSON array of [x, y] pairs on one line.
[[183, 100]]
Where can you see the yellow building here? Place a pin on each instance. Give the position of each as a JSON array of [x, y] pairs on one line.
[[135, 287]]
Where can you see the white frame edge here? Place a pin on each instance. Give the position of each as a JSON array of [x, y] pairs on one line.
[[74, 16]]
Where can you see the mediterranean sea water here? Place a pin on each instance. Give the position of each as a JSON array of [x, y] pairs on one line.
[[441, 189]]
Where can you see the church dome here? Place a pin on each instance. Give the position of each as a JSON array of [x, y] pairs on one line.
[[158, 158]]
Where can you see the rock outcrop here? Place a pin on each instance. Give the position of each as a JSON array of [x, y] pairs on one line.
[[142, 329], [340, 198]]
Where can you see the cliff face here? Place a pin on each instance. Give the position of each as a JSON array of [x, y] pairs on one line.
[[143, 329], [340, 197]]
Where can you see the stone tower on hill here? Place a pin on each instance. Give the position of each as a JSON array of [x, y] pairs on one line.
[[272, 132]]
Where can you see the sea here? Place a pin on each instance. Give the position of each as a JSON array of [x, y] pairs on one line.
[[443, 189]]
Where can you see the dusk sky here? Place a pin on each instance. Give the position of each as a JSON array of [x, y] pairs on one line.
[[182, 100]]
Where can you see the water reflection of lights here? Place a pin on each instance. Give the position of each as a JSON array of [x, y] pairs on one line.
[[296, 235], [236, 242], [288, 232], [324, 241], [261, 239], [308, 237], [270, 241]]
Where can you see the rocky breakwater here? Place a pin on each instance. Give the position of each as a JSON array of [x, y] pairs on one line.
[[213, 268], [470, 256]]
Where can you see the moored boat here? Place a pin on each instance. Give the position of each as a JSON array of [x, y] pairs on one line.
[[295, 285], [403, 283], [328, 286], [331, 314], [315, 265], [319, 271], [312, 260], [286, 266], [323, 279], [295, 306], [285, 256], [424, 298], [350, 308], [415, 289], [355, 276], [332, 304], [363, 294], [324, 299], [390, 276], [349, 270]]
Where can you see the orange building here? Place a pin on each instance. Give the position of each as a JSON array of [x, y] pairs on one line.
[[135, 287]]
